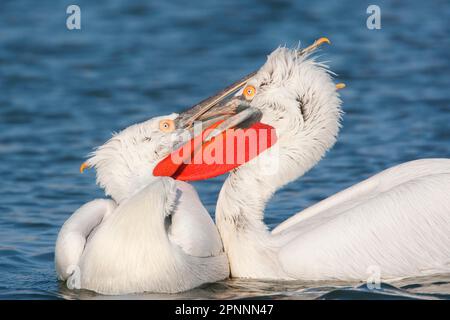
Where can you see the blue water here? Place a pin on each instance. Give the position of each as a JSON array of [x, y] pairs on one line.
[[63, 92]]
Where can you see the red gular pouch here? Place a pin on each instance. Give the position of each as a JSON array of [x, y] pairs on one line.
[[199, 160]]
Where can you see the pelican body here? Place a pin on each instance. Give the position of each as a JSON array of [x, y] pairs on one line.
[[153, 235], [396, 222]]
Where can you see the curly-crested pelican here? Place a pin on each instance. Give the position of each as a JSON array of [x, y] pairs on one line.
[[397, 221], [154, 234]]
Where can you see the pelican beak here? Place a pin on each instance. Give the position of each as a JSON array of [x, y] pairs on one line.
[[231, 111], [83, 167], [315, 45], [340, 86], [213, 108], [231, 136]]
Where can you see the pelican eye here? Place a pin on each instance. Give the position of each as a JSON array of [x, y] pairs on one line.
[[167, 125], [249, 92]]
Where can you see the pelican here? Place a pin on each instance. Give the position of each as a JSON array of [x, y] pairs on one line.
[[396, 222], [153, 234]]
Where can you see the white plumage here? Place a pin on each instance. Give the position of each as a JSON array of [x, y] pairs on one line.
[[397, 221], [154, 235]]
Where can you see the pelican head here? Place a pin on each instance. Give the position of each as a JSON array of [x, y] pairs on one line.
[[295, 94], [124, 164]]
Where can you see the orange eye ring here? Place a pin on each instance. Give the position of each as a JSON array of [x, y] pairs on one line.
[[167, 125], [249, 92]]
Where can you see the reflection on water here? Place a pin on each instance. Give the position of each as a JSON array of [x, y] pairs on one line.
[[427, 288], [63, 92]]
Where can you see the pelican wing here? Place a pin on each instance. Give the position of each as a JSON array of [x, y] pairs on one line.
[[75, 232], [131, 251], [192, 227], [396, 222]]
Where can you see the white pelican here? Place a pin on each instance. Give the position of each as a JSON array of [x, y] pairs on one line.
[[153, 235], [396, 222]]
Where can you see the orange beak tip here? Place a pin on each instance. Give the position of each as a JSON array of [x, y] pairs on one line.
[[340, 86], [323, 40], [83, 166]]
